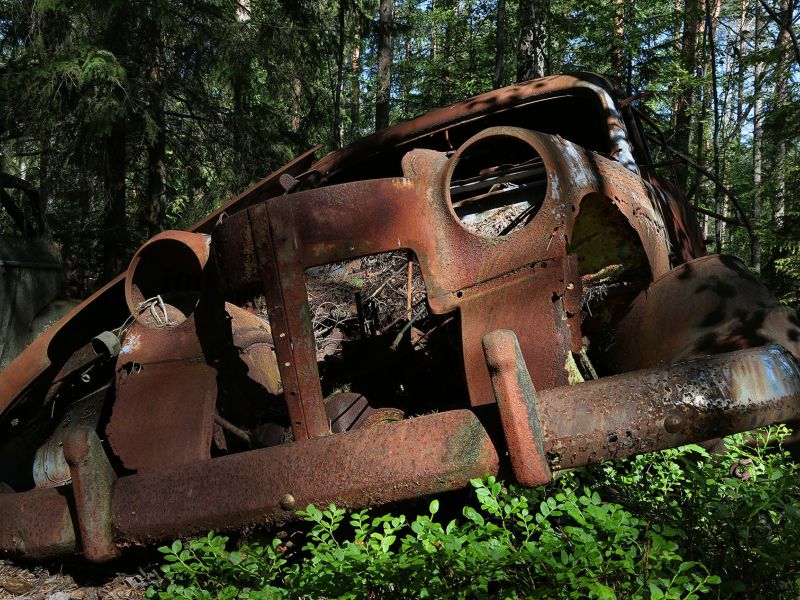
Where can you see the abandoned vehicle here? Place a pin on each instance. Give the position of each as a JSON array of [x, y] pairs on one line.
[[501, 286]]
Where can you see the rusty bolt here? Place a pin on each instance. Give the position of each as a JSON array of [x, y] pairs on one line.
[[287, 502]]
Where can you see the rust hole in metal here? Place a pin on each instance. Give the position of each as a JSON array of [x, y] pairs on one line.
[[497, 185], [132, 368]]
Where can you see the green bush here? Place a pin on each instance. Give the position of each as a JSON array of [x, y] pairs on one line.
[[675, 524]]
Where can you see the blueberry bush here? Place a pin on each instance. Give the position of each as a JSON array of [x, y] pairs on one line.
[[677, 524]]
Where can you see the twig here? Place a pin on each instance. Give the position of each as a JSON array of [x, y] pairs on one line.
[[711, 213], [405, 328], [408, 291], [228, 426], [425, 335], [391, 276], [742, 214]]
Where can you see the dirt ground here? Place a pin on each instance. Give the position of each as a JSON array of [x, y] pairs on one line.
[[60, 582]]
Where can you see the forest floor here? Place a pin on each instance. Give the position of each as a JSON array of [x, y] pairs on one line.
[[76, 582]]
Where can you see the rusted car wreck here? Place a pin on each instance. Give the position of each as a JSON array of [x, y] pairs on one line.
[[570, 315]]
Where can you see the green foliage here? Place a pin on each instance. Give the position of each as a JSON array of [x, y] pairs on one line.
[[737, 510], [680, 523]]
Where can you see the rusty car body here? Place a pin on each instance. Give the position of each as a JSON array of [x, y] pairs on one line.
[[570, 315]]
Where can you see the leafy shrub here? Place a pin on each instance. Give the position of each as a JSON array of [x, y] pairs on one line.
[[675, 524]]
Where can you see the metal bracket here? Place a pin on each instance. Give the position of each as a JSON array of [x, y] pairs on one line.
[[516, 401]]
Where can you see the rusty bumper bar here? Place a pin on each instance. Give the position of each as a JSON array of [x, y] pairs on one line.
[[662, 408], [554, 429], [390, 462], [636, 412]]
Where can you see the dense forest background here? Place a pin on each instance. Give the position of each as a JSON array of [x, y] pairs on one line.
[[119, 119]]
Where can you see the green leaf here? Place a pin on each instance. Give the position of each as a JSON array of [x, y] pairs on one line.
[[655, 591], [602, 592], [434, 507]]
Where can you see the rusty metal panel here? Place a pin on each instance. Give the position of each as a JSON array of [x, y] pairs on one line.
[[703, 307], [530, 303], [38, 524], [345, 221], [165, 398], [166, 386], [92, 484], [293, 336]]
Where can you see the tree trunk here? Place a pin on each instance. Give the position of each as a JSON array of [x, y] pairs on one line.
[[740, 58], [531, 59], [446, 52], [406, 73], [618, 41], [712, 12], [500, 45], [157, 183], [355, 86], [240, 87], [336, 128], [781, 100], [683, 111], [115, 231], [433, 48], [785, 24], [114, 235], [758, 128], [44, 185], [384, 65], [630, 17], [297, 91], [156, 201]]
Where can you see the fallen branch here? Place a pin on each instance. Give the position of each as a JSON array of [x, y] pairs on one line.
[[711, 213]]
